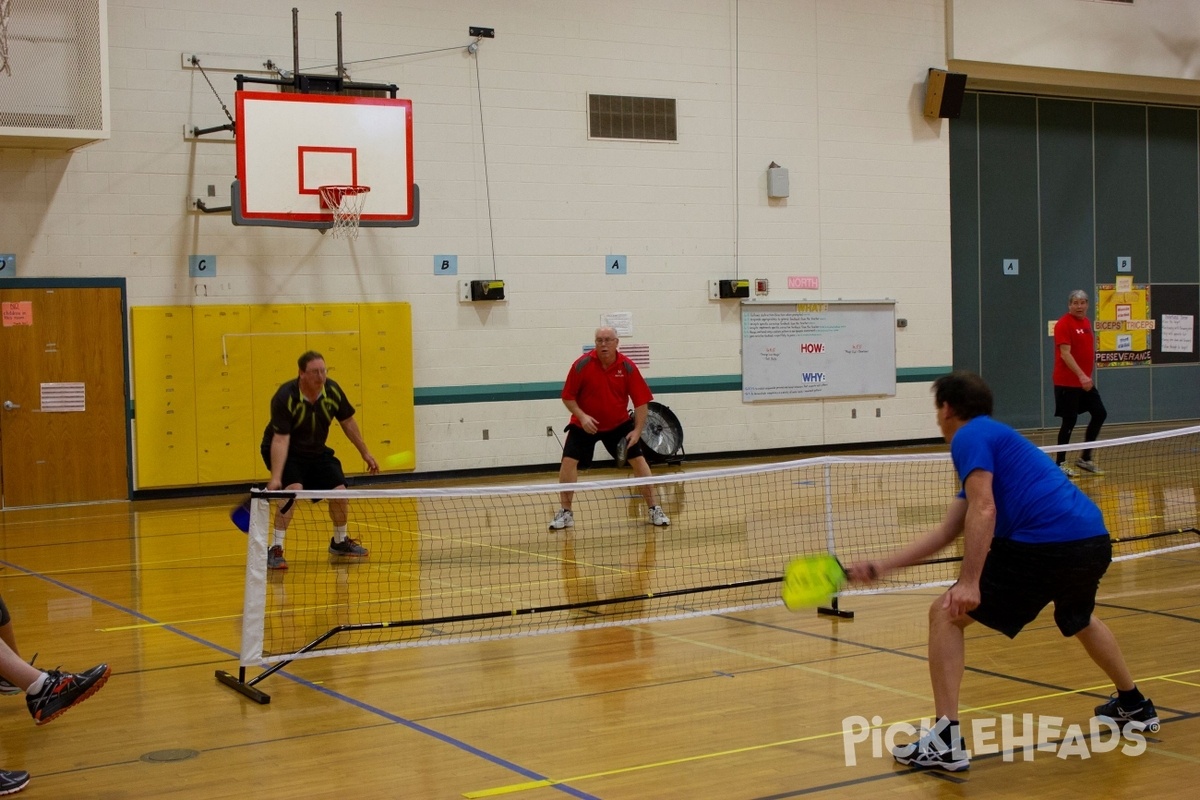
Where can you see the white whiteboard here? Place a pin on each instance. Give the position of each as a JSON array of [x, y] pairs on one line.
[[818, 350]]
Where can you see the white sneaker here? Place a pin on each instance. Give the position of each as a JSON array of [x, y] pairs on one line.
[[1070, 473], [657, 517], [1090, 466], [930, 752], [563, 519]]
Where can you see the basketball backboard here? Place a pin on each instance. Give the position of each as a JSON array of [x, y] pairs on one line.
[[289, 145]]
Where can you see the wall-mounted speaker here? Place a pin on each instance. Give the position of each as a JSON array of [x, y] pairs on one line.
[[944, 93]]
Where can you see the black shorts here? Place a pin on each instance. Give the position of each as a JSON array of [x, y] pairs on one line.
[[1071, 401], [581, 445], [1020, 579], [319, 473]]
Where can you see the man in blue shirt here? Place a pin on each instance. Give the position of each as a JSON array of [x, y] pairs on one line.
[[1030, 538]]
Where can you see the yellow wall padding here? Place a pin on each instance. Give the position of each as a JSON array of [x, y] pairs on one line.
[[204, 377], [386, 364], [224, 422], [164, 388]]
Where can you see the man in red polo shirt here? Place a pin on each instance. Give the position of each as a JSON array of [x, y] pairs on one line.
[[1074, 391], [598, 390]]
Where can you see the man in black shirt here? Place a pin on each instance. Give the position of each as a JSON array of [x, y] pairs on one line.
[[293, 448]]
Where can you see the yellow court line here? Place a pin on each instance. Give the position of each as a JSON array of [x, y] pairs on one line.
[[521, 787], [1100, 688], [143, 625], [1184, 683]]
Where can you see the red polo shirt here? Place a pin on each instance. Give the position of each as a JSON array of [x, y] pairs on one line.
[[605, 393]]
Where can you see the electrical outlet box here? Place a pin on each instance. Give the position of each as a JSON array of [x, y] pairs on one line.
[[477, 291], [487, 290], [733, 288]]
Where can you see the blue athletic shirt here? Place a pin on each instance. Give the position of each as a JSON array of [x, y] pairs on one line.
[[1035, 502]]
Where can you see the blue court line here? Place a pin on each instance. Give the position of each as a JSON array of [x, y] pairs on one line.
[[408, 723]]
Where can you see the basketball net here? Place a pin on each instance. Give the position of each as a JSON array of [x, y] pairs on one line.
[[5, 12], [346, 203]]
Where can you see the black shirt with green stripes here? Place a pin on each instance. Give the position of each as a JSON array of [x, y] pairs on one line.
[[306, 423]]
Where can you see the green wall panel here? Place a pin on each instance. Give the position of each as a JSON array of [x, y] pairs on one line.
[[1010, 314], [1174, 213]]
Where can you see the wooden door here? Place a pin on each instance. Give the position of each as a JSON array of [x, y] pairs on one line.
[[63, 348]]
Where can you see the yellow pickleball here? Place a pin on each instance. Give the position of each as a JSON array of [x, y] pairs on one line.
[[402, 460]]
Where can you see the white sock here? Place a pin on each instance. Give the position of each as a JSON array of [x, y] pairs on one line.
[[277, 537], [37, 685], [339, 533]]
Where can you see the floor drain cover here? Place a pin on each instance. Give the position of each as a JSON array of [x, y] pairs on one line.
[[170, 755]]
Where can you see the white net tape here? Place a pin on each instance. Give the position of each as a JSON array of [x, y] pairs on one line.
[[346, 203]]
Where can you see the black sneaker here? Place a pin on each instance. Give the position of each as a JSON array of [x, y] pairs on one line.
[[349, 548], [930, 752], [1144, 717], [64, 690], [13, 780]]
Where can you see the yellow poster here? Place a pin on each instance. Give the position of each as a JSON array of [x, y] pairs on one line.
[[1123, 324]]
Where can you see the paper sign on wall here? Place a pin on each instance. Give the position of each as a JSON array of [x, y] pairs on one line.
[[620, 321], [18, 313]]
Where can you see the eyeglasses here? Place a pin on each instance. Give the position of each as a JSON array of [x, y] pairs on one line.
[[606, 340]]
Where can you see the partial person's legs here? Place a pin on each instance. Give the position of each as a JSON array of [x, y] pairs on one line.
[[568, 472], [1102, 646], [947, 658], [14, 669], [1128, 705], [341, 544], [9, 637], [942, 747], [7, 634], [339, 510], [1097, 414], [283, 518], [1064, 435], [642, 470], [50, 694]]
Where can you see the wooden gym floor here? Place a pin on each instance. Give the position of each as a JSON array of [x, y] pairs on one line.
[[747, 706]]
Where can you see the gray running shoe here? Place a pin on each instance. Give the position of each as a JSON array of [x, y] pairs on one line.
[[350, 548]]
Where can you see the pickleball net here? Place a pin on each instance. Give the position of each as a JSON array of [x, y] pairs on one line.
[[468, 564]]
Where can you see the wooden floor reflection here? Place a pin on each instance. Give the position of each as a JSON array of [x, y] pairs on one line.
[[747, 705]]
